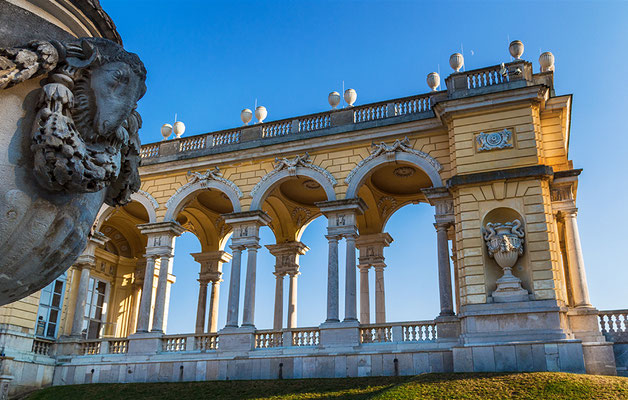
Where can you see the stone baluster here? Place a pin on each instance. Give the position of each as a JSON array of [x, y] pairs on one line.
[[201, 307]]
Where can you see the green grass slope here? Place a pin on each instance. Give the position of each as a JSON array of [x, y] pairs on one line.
[[537, 385]]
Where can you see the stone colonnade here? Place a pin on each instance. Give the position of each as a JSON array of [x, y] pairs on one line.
[[211, 271]]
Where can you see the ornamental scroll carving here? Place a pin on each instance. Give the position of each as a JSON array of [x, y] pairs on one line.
[[85, 134]]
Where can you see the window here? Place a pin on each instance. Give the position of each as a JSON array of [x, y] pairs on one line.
[[50, 303], [95, 309]]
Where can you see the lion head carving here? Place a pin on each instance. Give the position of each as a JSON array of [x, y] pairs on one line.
[[85, 135]]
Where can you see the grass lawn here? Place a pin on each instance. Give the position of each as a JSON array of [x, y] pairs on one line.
[[537, 385]]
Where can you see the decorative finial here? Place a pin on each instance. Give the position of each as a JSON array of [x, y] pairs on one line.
[[334, 99], [246, 116], [350, 96], [260, 114], [456, 61], [516, 49], [179, 129], [166, 130], [433, 80], [547, 61]]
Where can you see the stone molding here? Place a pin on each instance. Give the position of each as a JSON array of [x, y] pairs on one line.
[[211, 179], [299, 165], [383, 153]]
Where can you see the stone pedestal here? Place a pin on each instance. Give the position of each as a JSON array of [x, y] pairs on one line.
[[340, 334], [145, 343], [236, 340]]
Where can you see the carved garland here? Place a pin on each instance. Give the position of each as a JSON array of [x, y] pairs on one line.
[[390, 150], [303, 161], [203, 179]]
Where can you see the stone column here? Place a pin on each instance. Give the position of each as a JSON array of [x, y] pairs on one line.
[[444, 270], [380, 295], [577, 274], [160, 295], [213, 307], [248, 313], [365, 306], [81, 300], [278, 320], [350, 281], [201, 307], [292, 300], [233, 304], [333, 286], [143, 319]]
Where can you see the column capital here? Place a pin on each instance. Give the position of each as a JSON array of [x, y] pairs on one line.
[[161, 236], [363, 267], [287, 256], [246, 226], [333, 238], [442, 225], [342, 215], [371, 247], [442, 200], [211, 262]]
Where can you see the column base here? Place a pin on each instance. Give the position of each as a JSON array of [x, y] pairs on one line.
[[236, 339], [340, 334]]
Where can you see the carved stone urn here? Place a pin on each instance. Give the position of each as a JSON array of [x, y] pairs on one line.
[[505, 244], [68, 140]]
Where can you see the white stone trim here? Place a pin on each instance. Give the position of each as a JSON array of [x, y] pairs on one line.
[[382, 153], [197, 182], [299, 166]]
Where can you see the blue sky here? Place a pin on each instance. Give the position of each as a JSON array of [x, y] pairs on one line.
[[208, 60]]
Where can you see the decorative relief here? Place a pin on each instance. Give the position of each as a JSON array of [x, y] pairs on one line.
[[404, 172], [561, 193], [202, 179], [85, 133], [311, 184], [505, 244], [386, 205], [389, 151], [494, 140], [303, 161], [300, 215]]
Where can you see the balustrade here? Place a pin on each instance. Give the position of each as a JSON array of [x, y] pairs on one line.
[[149, 151], [206, 342], [314, 123], [413, 105], [192, 143], [486, 77], [42, 347], [370, 113], [118, 346], [614, 323], [268, 339], [222, 138], [305, 337], [174, 343], [378, 333], [276, 129], [419, 331], [90, 347]]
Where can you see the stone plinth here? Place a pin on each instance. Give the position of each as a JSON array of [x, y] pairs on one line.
[[145, 343], [237, 340]]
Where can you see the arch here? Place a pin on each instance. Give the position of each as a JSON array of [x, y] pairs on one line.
[[145, 199], [273, 178], [185, 193], [386, 154]]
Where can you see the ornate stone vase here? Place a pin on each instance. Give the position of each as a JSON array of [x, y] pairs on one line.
[[505, 244]]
